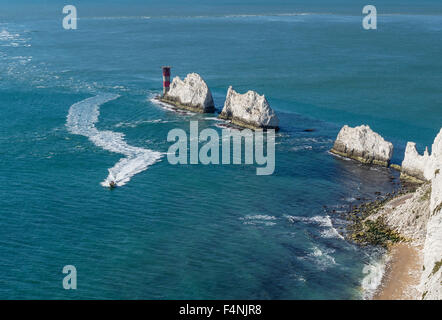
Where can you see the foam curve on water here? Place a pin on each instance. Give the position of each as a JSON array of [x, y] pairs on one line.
[[81, 120]]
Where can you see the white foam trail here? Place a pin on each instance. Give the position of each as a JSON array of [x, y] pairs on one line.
[[81, 120], [259, 219], [140, 122]]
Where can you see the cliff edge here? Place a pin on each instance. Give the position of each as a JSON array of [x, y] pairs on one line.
[[422, 167], [416, 218], [431, 280]]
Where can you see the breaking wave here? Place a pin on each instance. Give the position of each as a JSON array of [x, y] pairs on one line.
[[81, 120], [321, 258], [374, 273], [325, 222]]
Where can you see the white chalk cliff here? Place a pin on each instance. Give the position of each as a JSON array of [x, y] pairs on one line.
[[364, 145], [249, 110], [431, 280], [418, 216], [422, 167], [192, 93]]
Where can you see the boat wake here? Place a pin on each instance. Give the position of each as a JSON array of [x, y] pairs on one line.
[[81, 120]]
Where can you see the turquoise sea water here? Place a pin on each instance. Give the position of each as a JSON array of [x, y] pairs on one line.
[[195, 231]]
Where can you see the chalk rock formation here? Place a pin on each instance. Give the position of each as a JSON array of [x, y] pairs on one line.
[[364, 145], [419, 215], [192, 93], [422, 167], [249, 110], [431, 279]]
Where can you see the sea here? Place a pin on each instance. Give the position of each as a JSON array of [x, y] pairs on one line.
[[77, 110]]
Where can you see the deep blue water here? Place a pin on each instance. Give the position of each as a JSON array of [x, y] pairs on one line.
[[195, 231]]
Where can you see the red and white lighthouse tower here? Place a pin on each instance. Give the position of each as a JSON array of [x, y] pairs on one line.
[[166, 79]]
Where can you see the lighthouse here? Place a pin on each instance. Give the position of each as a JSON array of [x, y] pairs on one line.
[[166, 79]]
